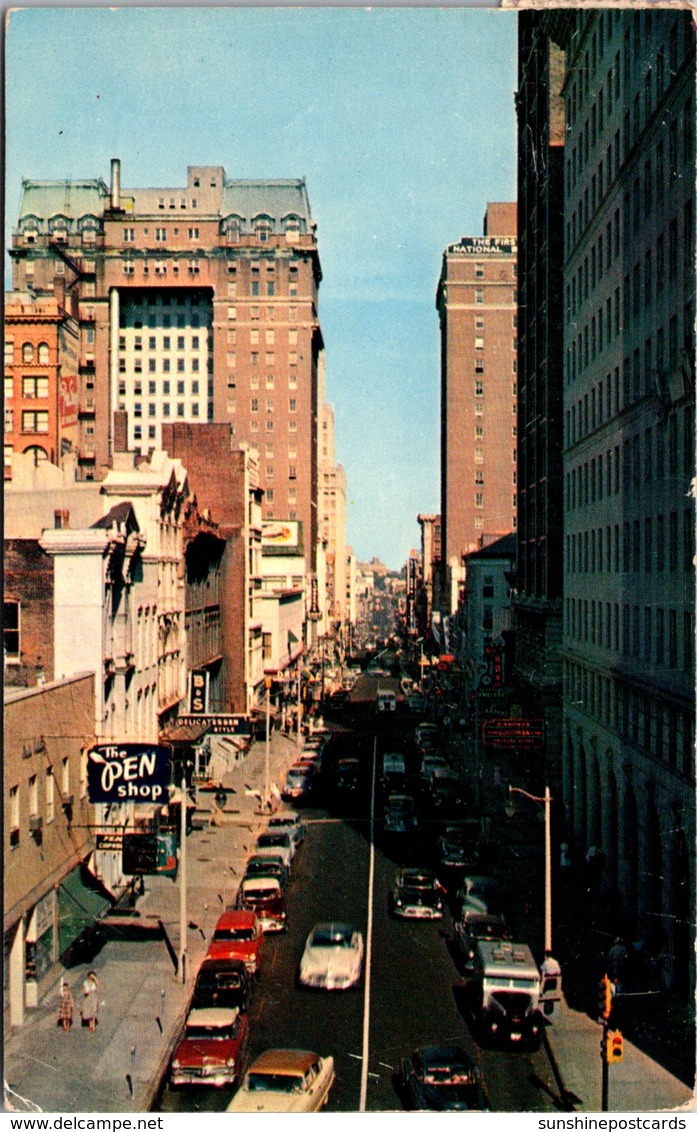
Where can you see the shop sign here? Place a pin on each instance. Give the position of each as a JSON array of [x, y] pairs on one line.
[[128, 772]]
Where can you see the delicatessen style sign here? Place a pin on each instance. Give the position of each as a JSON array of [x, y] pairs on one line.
[[128, 772]]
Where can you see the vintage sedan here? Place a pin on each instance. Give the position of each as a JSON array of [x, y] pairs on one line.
[[238, 935], [275, 843], [417, 895], [213, 1050], [267, 866], [285, 1080], [333, 957], [264, 896], [442, 1079], [300, 781], [473, 927], [222, 982], [291, 823], [400, 814]]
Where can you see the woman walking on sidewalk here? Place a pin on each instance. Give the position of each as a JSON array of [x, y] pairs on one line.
[[89, 1001], [66, 1007]]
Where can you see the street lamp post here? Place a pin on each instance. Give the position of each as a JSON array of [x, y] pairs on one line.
[[546, 802]]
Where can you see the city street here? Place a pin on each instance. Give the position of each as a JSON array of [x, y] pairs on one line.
[[413, 978]]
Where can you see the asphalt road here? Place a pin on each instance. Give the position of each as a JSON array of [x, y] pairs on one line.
[[414, 991]]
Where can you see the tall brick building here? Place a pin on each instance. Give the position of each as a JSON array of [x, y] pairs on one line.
[[195, 303], [477, 304]]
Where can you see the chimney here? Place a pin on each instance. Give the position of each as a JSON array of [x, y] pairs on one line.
[[120, 431], [115, 182]]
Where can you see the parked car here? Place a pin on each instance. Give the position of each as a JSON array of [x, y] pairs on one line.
[[238, 935], [457, 845], [267, 866], [333, 957], [473, 927], [285, 1080], [417, 894], [222, 982], [442, 1079], [275, 844], [479, 893], [264, 896], [400, 814], [291, 823], [300, 780], [213, 1050]]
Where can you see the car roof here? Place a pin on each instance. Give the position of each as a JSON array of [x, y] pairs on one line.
[[213, 1016], [284, 818], [280, 1061], [238, 918], [213, 966]]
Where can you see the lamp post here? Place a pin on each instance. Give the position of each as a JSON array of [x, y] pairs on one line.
[[266, 755], [546, 802]]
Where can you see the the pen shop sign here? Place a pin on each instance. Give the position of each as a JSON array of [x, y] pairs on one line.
[[129, 772]]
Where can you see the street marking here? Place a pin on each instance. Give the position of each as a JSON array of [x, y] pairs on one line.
[[369, 941]]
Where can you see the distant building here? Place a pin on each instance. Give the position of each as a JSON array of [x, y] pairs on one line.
[[487, 613], [477, 306]]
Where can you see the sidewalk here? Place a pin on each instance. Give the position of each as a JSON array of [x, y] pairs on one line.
[[141, 999], [636, 1084]]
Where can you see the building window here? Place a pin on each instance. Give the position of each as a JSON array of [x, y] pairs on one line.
[[11, 631], [479, 499], [129, 235], [34, 387], [50, 795], [27, 353], [478, 295], [35, 421]]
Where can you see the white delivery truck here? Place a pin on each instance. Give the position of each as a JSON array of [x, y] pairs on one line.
[[386, 700], [506, 992]]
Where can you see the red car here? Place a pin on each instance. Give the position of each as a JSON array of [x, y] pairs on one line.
[[237, 935], [214, 1048], [264, 896]]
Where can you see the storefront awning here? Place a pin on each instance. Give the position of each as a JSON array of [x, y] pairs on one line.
[[82, 900]]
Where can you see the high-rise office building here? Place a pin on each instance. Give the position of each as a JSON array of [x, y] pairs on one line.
[[195, 303], [628, 751], [477, 305]]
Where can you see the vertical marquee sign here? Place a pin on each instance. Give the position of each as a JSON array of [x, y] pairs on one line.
[[129, 772]]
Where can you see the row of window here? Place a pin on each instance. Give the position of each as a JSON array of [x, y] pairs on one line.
[[30, 354], [129, 234], [652, 634], [49, 791], [647, 457], [165, 344], [640, 377], [292, 405], [637, 547], [664, 732], [254, 313], [33, 421], [32, 387], [647, 279], [184, 365]]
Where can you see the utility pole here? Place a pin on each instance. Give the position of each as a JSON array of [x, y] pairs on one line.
[[268, 729], [183, 920]]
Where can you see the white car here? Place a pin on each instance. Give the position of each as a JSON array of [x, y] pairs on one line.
[[285, 1080], [433, 766], [275, 844], [291, 823], [333, 957]]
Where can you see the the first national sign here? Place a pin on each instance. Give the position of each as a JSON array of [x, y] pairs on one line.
[[129, 772]]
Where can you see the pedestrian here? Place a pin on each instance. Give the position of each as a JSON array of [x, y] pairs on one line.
[[65, 1007], [89, 1001], [564, 858], [617, 961], [550, 967]]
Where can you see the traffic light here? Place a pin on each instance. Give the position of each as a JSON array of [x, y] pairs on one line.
[[604, 997], [614, 1047]]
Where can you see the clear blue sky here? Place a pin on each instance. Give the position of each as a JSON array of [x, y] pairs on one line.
[[402, 121]]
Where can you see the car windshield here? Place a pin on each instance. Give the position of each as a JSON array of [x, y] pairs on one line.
[[273, 839], [239, 934], [274, 1083], [325, 937], [210, 1033], [417, 880]]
